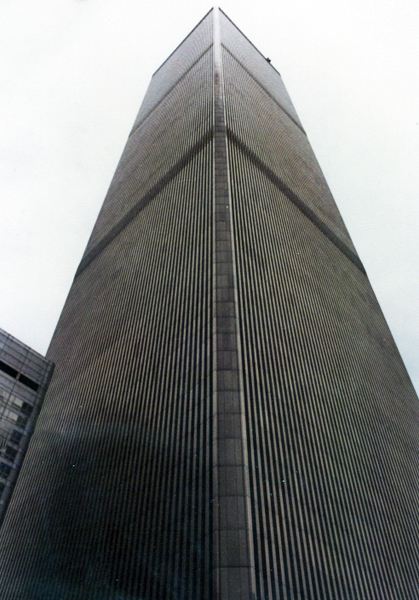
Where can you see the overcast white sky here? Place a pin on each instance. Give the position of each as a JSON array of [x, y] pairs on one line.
[[73, 75]]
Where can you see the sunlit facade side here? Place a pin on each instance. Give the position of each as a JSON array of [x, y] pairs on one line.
[[229, 416]]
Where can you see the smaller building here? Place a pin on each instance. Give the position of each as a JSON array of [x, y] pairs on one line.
[[24, 379]]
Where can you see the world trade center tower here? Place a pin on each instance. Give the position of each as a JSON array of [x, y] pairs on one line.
[[229, 417]]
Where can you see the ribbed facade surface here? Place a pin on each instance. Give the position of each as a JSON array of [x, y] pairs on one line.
[[229, 417]]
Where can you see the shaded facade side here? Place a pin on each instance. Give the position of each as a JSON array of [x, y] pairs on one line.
[[116, 495], [126, 437]]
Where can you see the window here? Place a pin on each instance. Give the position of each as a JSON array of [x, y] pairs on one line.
[[4, 469], [10, 453], [8, 369], [16, 437], [21, 421], [28, 382], [26, 408], [10, 415]]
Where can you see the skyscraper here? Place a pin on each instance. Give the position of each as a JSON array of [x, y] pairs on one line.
[[229, 416]]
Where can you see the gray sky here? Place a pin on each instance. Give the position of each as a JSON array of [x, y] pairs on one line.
[[73, 75]]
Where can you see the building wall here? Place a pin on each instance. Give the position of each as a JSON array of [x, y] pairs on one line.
[[229, 416], [24, 378], [331, 415], [118, 478]]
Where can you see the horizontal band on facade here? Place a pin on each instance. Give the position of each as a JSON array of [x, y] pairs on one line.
[[149, 196], [181, 164], [153, 108], [264, 88], [296, 201], [247, 39], [183, 41]]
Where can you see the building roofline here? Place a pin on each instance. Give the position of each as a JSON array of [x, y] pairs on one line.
[[198, 24], [184, 39], [251, 43]]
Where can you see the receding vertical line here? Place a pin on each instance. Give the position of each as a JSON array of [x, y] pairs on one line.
[[140, 205], [183, 41], [169, 91], [221, 130], [214, 525], [325, 346], [288, 192], [267, 92]]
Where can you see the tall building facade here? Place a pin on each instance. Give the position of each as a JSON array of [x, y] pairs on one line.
[[229, 416], [24, 379]]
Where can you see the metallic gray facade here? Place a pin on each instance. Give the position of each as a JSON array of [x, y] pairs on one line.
[[229, 416]]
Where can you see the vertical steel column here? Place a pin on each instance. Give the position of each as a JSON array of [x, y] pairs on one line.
[[233, 546]]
